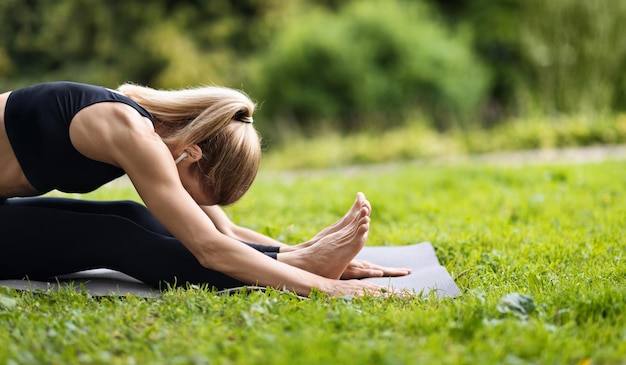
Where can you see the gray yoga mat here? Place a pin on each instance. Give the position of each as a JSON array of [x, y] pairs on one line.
[[427, 277]]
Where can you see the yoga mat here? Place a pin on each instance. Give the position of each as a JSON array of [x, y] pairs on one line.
[[428, 276]]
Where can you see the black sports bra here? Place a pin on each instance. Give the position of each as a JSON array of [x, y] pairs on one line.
[[37, 120]]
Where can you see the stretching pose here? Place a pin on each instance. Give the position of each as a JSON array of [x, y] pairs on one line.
[[187, 153]]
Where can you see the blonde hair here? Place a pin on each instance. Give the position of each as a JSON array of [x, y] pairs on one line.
[[219, 121]]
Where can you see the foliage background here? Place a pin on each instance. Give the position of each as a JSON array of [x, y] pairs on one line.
[[338, 65], [458, 75]]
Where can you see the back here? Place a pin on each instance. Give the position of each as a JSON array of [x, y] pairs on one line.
[[37, 121]]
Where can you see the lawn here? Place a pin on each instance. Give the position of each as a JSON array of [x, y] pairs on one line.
[[553, 233]]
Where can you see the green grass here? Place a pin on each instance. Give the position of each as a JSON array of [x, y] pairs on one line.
[[554, 233], [416, 141]]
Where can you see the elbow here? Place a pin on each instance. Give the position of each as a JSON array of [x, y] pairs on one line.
[[218, 253], [211, 254], [208, 259]]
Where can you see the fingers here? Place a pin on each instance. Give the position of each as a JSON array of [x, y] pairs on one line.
[[361, 273], [390, 271], [370, 273], [354, 287], [361, 288], [383, 291], [370, 289], [359, 269], [387, 271]]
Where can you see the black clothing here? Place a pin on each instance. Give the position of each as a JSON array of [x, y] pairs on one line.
[[46, 237], [37, 120]]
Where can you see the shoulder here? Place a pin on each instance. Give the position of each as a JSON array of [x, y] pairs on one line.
[[56, 88], [107, 130], [112, 119]]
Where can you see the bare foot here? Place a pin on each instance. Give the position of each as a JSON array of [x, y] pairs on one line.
[[349, 218], [330, 255], [359, 203]]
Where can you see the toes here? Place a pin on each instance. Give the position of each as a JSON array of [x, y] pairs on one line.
[[365, 204], [364, 226], [358, 203], [368, 206]]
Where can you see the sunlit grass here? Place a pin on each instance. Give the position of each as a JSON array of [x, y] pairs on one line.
[[416, 141], [554, 233]]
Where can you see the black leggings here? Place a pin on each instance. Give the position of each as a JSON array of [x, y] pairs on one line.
[[41, 238]]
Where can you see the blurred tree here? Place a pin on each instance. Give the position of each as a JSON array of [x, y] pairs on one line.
[[162, 43], [73, 39], [575, 53], [354, 62], [207, 41], [370, 63], [495, 25], [558, 56]]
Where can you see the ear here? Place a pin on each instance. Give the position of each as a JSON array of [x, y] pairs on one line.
[[195, 152]]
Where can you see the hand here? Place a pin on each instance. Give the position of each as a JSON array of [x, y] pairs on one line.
[[357, 288], [359, 269], [361, 288]]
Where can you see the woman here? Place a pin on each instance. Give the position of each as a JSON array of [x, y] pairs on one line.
[[186, 152]]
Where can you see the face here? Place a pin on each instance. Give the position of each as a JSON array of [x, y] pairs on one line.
[[194, 186], [190, 180]]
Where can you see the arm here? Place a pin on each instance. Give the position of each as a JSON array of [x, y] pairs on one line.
[[116, 134], [230, 229], [357, 269]]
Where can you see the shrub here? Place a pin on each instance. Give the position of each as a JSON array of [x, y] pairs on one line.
[[369, 64], [575, 52], [558, 56]]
